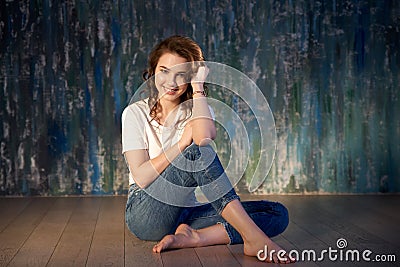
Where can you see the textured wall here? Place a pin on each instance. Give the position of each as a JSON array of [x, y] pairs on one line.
[[329, 69]]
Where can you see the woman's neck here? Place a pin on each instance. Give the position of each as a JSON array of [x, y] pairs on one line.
[[167, 108]]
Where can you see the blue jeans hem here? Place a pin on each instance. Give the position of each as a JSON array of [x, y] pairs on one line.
[[225, 200], [230, 236]]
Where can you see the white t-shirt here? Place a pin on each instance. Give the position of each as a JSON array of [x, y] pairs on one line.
[[139, 131]]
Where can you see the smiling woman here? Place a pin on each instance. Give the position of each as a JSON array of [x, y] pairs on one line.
[[171, 78], [165, 141]]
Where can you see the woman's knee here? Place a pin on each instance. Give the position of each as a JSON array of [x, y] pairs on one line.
[[150, 236], [191, 151], [144, 232], [195, 152]]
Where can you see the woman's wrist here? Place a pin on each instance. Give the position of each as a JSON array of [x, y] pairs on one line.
[[199, 93]]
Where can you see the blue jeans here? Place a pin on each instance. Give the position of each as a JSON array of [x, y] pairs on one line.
[[150, 214]]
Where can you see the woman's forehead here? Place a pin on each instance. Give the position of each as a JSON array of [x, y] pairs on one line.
[[173, 62]]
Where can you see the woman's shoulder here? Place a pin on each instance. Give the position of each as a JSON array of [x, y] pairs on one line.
[[137, 112], [139, 107]]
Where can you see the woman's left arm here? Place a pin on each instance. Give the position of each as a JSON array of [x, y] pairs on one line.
[[203, 126]]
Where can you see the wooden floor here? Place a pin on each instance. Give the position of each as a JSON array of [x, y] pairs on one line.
[[90, 231]]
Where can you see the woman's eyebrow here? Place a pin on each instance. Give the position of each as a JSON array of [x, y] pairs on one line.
[[179, 72]]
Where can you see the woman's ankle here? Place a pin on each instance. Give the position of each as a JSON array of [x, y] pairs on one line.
[[252, 235]]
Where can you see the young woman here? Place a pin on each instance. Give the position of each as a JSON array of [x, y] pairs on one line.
[[163, 137]]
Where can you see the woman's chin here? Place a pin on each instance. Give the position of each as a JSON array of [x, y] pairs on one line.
[[170, 97]]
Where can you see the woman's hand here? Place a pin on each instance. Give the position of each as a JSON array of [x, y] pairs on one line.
[[200, 77], [187, 137]]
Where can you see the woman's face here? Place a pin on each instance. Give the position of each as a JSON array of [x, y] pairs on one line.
[[171, 76]]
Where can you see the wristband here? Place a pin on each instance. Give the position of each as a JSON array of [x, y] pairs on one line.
[[199, 92]]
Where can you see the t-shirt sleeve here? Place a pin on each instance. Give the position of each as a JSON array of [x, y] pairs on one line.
[[133, 129]]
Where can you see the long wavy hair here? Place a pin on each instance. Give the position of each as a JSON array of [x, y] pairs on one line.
[[183, 47]]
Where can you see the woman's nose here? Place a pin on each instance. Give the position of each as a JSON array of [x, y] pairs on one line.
[[171, 80]]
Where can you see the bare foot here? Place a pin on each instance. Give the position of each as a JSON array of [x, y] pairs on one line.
[[274, 253], [184, 237]]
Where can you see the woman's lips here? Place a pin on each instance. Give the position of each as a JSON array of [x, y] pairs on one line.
[[171, 91]]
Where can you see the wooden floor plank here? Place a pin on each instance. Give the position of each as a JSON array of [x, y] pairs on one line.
[[74, 244], [92, 232], [10, 208], [107, 247], [357, 227], [381, 205], [304, 214], [180, 258], [311, 214], [362, 221], [376, 216], [306, 219], [216, 256], [40, 245], [139, 253], [15, 234]]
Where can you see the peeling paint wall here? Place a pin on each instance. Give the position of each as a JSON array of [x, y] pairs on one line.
[[329, 69]]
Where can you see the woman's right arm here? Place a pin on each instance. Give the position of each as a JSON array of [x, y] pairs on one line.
[[145, 170]]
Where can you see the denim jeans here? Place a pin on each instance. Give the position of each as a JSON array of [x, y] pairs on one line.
[[150, 214]]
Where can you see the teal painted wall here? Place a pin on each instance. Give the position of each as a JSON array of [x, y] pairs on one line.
[[329, 69]]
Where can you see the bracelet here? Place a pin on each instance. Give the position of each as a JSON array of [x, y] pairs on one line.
[[199, 92]]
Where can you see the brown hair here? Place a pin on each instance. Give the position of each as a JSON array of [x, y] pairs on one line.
[[183, 47]]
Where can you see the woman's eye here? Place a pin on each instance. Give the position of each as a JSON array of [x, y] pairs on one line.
[[183, 76], [164, 71]]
